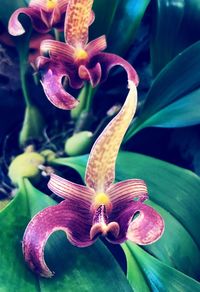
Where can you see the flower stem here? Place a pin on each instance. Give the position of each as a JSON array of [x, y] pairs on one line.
[[23, 68], [91, 93]]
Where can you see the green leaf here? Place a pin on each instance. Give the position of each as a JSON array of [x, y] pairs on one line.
[[173, 192], [127, 19], [88, 269], [154, 275], [175, 27], [173, 95], [119, 21]]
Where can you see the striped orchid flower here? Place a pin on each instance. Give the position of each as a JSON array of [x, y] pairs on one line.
[[102, 207], [44, 15], [75, 58]]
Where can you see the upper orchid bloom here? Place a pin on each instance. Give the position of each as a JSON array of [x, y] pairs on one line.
[[102, 207], [76, 59], [44, 15]]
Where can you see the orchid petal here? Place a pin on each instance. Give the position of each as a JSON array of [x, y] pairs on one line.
[[100, 171], [92, 74], [51, 81], [129, 190], [42, 4], [77, 21], [72, 217], [38, 4], [67, 189], [62, 5], [96, 46], [146, 228], [15, 28], [58, 50], [108, 61]]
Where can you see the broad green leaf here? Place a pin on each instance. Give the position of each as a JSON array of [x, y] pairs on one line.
[[156, 275], [174, 192], [127, 19], [119, 21], [103, 17], [89, 269], [176, 25], [171, 100]]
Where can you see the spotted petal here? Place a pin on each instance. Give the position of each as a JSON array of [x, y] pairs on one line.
[[71, 216], [100, 171], [15, 28], [146, 228], [77, 21], [68, 190]]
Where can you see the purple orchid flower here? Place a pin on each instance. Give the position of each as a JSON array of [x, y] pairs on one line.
[[76, 59], [102, 207], [44, 14]]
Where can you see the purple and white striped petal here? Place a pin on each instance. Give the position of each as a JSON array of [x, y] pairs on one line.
[[58, 50], [146, 228], [38, 4], [72, 217], [108, 61], [97, 45], [69, 190], [43, 4], [128, 190], [15, 28]]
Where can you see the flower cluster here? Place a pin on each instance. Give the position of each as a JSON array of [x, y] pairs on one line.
[[76, 59], [102, 207]]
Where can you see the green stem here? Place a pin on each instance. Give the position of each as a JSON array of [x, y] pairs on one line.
[[89, 99], [23, 67], [56, 34]]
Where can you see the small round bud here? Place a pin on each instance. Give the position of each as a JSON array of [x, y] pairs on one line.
[[80, 143], [26, 165], [48, 154]]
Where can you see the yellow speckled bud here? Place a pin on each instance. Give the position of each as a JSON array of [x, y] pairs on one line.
[[79, 143], [26, 165]]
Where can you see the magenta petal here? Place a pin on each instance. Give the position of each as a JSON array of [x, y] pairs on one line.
[[15, 28], [128, 190], [52, 75], [92, 74], [72, 217], [108, 61], [146, 228], [68, 190]]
